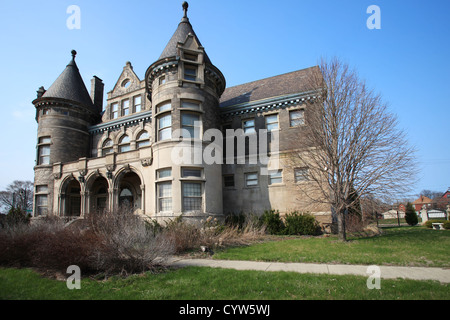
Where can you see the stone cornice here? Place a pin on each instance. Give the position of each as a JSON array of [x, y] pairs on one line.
[[272, 103], [125, 121]]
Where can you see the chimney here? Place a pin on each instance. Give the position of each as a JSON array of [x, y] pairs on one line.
[[97, 93], [40, 92]]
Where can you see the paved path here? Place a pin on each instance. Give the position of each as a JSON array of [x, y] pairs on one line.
[[386, 272]]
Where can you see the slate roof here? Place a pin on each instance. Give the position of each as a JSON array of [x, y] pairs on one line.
[[284, 84], [180, 35], [70, 86]]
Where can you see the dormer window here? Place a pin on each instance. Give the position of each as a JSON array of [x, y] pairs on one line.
[[191, 57], [190, 72]]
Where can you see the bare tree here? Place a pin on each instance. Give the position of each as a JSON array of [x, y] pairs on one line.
[[351, 143], [18, 194]]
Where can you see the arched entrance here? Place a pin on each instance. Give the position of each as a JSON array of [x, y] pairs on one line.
[[99, 197], [72, 203], [129, 191]]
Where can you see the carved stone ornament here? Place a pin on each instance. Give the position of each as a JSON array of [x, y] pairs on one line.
[[147, 162], [57, 175], [110, 167]]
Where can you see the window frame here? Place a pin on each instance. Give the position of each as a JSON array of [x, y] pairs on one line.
[[198, 207], [167, 128], [142, 142], [268, 124], [44, 143], [275, 175], [246, 177], [196, 130], [126, 144], [247, 127], [225, 176], [114, 110], [190, 76], [125, 104], [304, 171], [107, 147], [137, 104], [300, 119]]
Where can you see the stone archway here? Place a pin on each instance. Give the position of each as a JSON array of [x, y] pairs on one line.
[[71, 206], [99, 195], [129, 192]]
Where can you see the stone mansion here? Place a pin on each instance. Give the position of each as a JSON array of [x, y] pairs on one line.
[[92, 157]]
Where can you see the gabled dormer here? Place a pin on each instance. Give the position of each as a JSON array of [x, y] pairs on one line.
[[191, 68], [128, 81], [127, 97]]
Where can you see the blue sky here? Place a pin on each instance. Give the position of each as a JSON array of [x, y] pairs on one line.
[[407, 60]]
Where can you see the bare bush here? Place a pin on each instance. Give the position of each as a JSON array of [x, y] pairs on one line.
[[128, 243]]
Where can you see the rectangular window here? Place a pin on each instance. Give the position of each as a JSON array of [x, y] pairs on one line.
[[275, 177], [41, 189], [189, 173], [165, 127], [190, 72], [164, 173], [114, 110], [272, 122], [164, 107], [296, 118], [162, 80], [192, 196], [191, 123], [125, 107], [301, 174], [41, 205], [228, 180], [251, 179], [137, 103], [249, 126], [191, 57], [190, 105], [44, 150], [164, 196]]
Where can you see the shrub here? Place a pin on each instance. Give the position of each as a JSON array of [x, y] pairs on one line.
[[127, 244], [447, 225], [411, 215], [272, 220], [301, 224], [429, 223]]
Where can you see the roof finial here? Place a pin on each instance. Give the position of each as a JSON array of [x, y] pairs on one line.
[[185, 6], [74, 53]]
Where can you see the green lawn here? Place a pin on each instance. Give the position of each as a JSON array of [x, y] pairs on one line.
[[404, 246], [397, 246], [196, 283]]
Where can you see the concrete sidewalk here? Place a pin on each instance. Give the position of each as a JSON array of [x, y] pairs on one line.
[[386, 272]]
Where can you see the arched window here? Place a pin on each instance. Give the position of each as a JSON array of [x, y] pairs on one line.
[[143, 139], [107, 147], [126, 197], [124, 144]]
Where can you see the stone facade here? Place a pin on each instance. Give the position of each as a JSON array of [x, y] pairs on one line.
[[91, 158]]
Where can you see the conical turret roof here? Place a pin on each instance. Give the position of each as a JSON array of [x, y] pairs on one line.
[[70, 86], [180, 35]]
